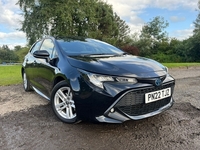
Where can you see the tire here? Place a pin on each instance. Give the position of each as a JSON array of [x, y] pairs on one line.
[[26, 83], [63, 104]]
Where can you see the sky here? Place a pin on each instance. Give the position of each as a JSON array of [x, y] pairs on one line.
[[180, 14]]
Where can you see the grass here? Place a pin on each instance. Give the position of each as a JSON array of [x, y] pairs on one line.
[[10, 75], [177, 65]]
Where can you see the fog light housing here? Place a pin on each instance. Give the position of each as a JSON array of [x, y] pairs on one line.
[[112, 110]]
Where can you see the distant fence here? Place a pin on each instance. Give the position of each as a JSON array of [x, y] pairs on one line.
[[4, 64]]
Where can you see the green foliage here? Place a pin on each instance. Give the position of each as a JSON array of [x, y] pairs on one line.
[[194, 41], [17, 48], [96, 19], [194, 48], [7, 55], [21, 53], [151, 35], [91, 18], [196, 30], [154, 43], [166, 58], [155, 29], [10, 75], [13, 56], [180, 65]]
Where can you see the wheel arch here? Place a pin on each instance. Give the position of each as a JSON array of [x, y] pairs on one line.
[[74, 84], [57, 80]]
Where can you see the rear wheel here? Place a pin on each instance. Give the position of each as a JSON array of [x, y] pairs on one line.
[[63, 104], [26, 83]]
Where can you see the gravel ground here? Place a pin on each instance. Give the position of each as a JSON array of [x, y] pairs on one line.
[[27, 122]]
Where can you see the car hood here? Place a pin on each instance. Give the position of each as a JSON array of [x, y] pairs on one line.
[[125, 65]]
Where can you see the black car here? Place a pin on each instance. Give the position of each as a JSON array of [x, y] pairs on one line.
[[87, 79]]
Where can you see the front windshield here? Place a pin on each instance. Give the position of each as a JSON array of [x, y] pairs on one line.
[[88, 47]]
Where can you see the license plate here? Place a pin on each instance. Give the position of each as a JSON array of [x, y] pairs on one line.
[[157, 95]]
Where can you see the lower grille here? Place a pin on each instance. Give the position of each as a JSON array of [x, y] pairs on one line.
[[133, 103]]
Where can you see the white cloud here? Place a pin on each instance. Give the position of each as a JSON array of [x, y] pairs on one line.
[[135, 24], [9, 23], [125, 7], [10, 4], [131, 9], [12, 39], [9, 16], [12, 35], [182, 34], [172, 4], [177, 19], [134, 28]]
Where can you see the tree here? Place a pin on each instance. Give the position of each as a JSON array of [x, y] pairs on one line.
[[155, 29], [152, 33], [17, 48], [92, 18], [7, 55], [21, 53], [122, 31], [56, 18], [195, 39], [193, 48], [196, 30], [5, 47]]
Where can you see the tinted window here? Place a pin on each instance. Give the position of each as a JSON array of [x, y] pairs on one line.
[[88, 46], [36, 47], [48, 46]]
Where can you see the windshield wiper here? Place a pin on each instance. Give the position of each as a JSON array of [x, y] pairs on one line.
[[96, 54], [121, 54]]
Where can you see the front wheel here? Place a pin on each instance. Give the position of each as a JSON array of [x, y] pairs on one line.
[[63, 104]]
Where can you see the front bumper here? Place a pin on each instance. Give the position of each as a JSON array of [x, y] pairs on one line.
[[131, 105], [116, 117], [120, 102]]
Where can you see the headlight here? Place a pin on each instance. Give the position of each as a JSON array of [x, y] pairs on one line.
[[98, 79], [123, 79]]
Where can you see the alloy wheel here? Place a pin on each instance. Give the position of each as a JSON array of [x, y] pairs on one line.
[[25, 81], [64, 103]]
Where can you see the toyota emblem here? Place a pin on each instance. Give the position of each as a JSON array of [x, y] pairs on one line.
[[158, 82]]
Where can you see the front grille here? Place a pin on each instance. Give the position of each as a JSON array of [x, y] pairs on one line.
[[133, 103]]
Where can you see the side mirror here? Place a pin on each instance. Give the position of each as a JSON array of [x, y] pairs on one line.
[[43, 54]]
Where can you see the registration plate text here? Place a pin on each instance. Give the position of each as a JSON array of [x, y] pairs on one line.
[[157, 95]]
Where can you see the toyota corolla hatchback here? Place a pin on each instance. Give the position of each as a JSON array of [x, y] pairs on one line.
[[87, 79]]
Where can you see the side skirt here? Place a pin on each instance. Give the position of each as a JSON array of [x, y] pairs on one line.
[[40, 93]]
